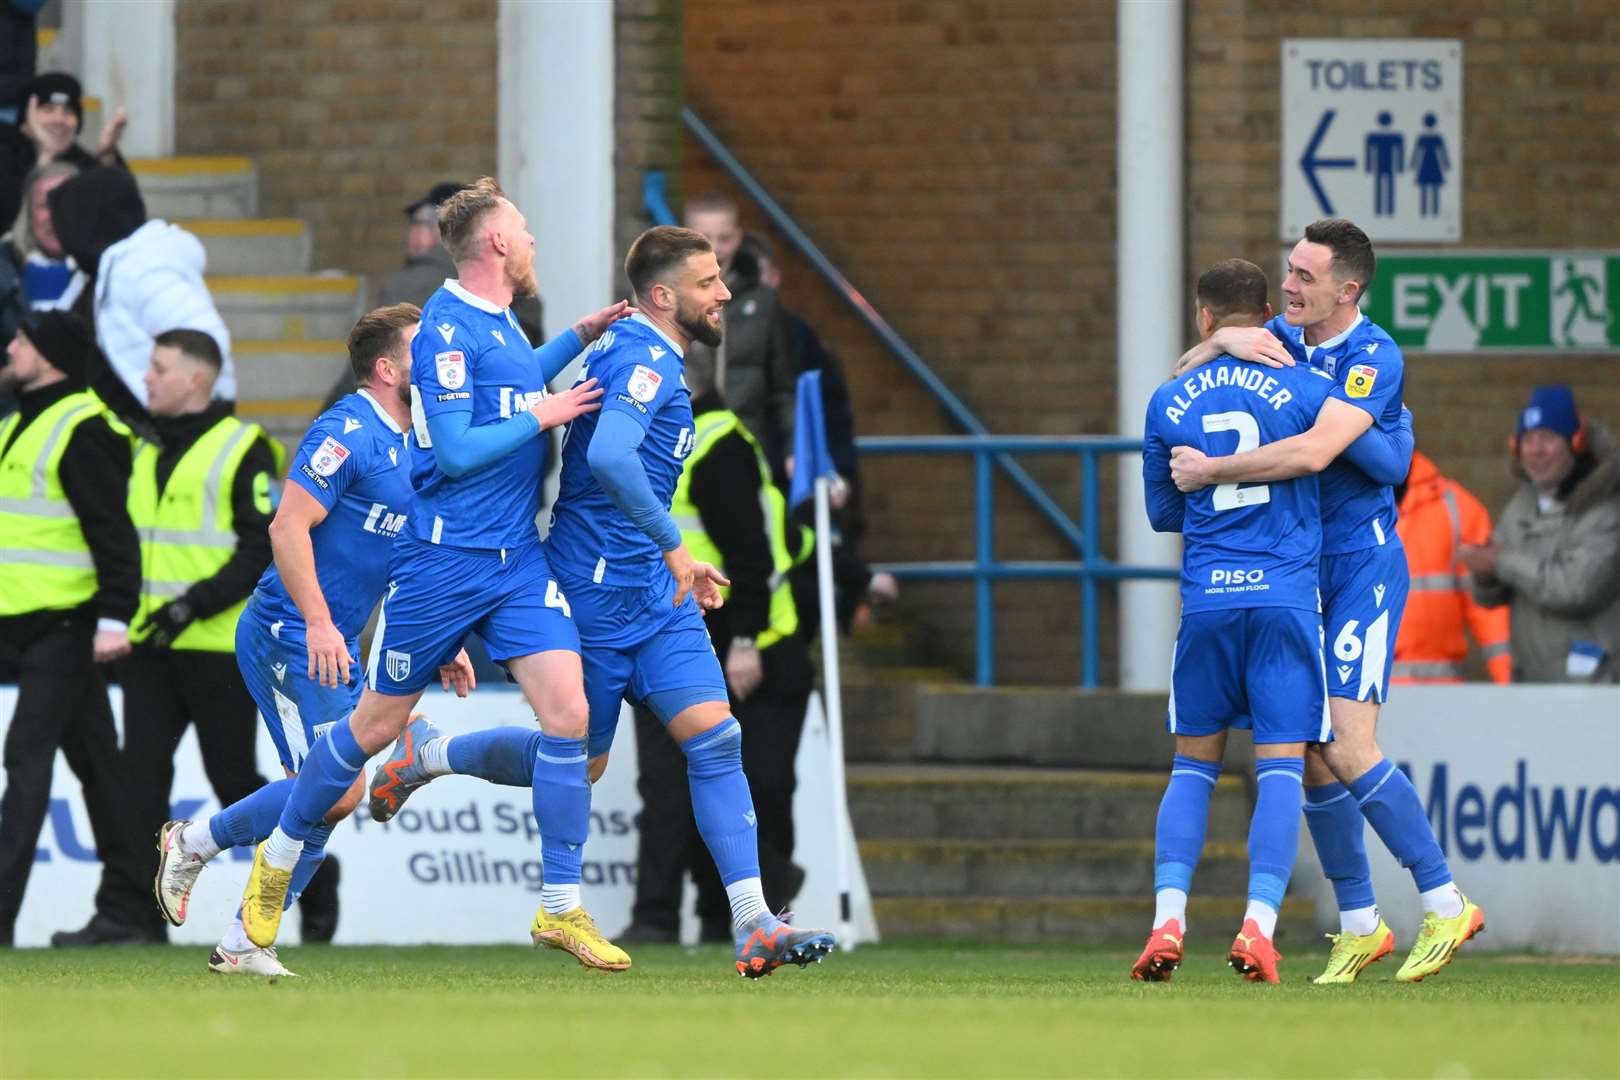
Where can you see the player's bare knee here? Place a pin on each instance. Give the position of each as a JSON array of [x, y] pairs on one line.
[[1267, 751], [567, 717], [595, 767], [1202, 747], [1317, 771]]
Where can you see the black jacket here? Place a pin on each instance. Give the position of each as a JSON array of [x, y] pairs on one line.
[[95, 477], [18, 158], [236, 579], [725, 490]]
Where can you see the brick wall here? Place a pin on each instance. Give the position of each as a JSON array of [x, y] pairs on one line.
[[956, 160], [649, 90], [351, 108]]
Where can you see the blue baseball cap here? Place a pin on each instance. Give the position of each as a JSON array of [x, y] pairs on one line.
[[1550, 407]]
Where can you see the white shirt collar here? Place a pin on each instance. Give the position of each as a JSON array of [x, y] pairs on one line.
[[382, 413], [644, 321], [1337, 339], [462, 294]]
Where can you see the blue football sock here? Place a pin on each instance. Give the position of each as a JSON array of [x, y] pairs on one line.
[[562, 807], [309, 861], [1339, 832], [720, 800], [333, 763], [503, 755], [1274, 829], [1392, 806], [1178, 838], [250, 819]]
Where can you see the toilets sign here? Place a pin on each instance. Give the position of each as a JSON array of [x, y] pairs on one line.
[[1447, 301], [1372, 131]]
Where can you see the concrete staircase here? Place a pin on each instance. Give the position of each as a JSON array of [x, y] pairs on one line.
[[288, 324], [1026, 814]]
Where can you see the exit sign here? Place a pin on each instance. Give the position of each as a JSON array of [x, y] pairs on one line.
[[1502, 301]]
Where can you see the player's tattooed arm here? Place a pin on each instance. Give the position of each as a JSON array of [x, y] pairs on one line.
[[1253, 343], [1336, 427]]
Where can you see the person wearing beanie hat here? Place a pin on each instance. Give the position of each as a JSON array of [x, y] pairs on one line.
[[69, 585], [1554, 558], [50, 116]]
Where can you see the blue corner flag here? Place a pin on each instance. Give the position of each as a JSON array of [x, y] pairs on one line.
[[810, 457]]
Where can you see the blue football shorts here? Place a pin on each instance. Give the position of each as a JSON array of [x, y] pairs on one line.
[[1363, 596], [437, 596], [296, 709], [635, 643], [1259, 664]]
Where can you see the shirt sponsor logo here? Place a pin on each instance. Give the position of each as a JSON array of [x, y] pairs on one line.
[[383, 523], [1358, 381], [452, 368], [329, 457], [516, 401], [644, 383]]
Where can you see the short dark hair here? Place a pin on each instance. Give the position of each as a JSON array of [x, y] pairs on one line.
[[711, 202], [460, 214], [379, 332], [659, 250], [1233, 287], [195, 344], [1353, 258]]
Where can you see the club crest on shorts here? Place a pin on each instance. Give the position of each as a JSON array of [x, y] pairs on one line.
[[1358, 382], [452, 368], [644, 383], [399, 665], [329, 457]]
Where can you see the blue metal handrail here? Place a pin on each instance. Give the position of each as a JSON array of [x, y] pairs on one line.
[[985, 568], [653, 199]]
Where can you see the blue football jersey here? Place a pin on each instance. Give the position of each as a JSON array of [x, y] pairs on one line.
[[1247, 545], [469, 356], [355, 462], [640, 372], [1369, 373]]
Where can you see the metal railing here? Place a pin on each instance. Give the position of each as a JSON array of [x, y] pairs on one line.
[[985, 569]]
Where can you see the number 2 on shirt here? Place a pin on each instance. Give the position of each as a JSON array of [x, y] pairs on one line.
[[1231, 496]]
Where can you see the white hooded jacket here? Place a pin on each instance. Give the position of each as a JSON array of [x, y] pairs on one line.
[[149, 282]]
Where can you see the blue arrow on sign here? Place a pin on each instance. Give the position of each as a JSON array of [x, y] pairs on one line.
[[1309, 162]]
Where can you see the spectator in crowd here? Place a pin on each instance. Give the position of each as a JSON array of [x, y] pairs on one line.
[[19, 52], [729, 514], [857, 588], [753, 366], [1437, 515], [69, 581], [200, 501], [1555, 556], [147, 277], [50, 115]]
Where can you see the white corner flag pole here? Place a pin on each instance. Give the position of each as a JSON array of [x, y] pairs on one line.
[[834, 703]]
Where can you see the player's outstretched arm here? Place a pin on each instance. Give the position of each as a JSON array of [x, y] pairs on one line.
[[557, 353], [1253, 343], [460, 447], [1385, 456], [294, 556], [1336, 427]]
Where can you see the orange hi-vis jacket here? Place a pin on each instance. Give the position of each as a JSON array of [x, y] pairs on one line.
[[1436, 515]]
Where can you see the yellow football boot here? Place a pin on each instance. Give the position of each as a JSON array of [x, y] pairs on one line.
[[263, 899], [1438, 941], [1354, 952], [575, 932]]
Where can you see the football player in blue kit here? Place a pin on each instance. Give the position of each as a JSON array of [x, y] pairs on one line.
[[1364, 584], [468, 559], [298, 638], [1250, 641], [636, 591]]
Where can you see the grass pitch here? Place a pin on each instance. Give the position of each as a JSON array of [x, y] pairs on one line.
[[890, 1010]]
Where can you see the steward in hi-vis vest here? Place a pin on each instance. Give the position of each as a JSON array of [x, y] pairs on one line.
[[731, 515], [200, 500], [69, 578]]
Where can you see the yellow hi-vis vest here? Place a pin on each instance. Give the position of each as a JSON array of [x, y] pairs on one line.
[[188, 532], [45, 564], [711, 427]]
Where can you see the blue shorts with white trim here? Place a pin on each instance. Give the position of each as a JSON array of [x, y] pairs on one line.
[[1258, 664], [1363, 596], [296, 709]]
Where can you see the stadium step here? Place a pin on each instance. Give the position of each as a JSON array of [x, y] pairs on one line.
[[289, 369], [197, 187], [967, 803], [319, 307], [1037, 868], [284, 418], [252, 245], [1211, 920]]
